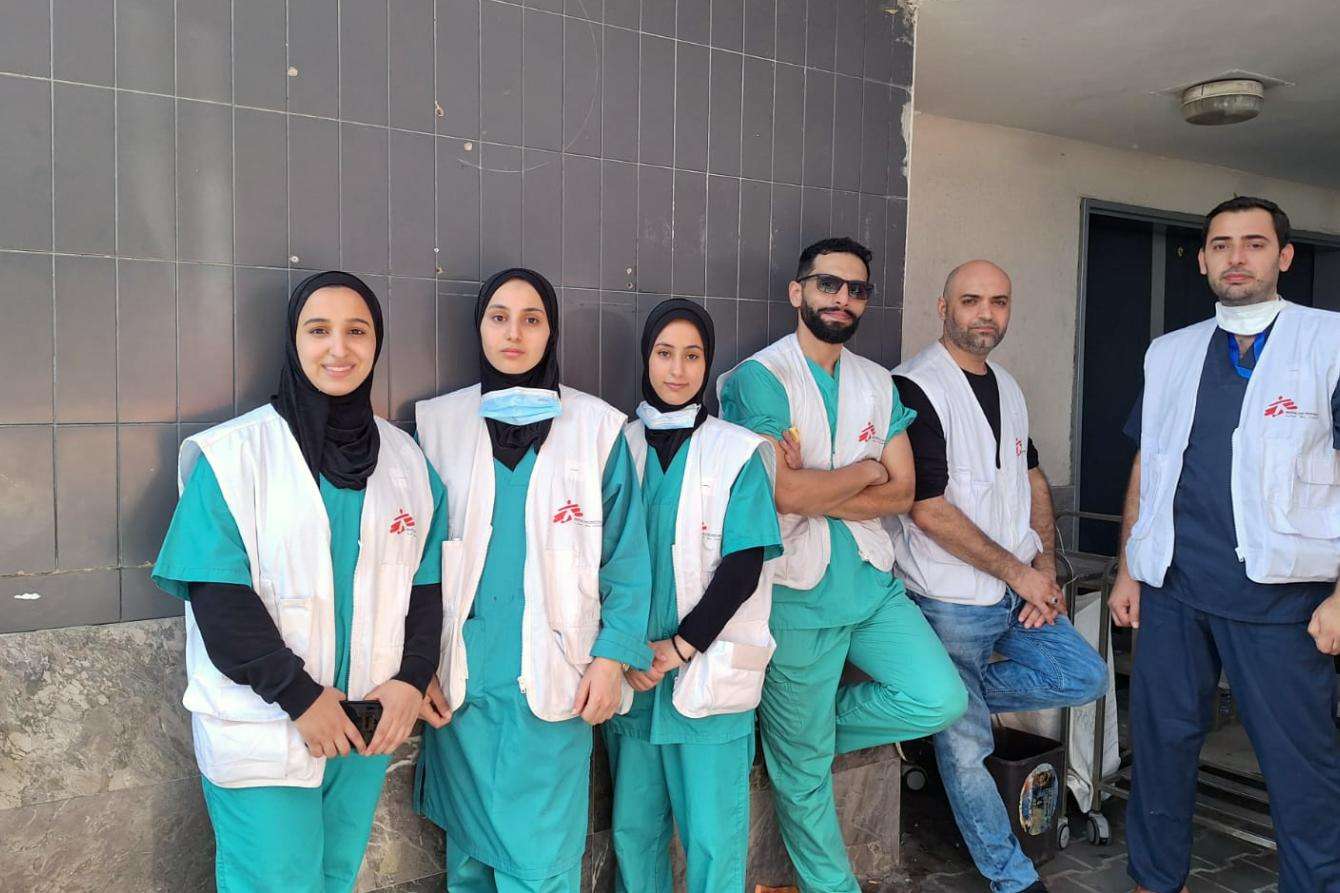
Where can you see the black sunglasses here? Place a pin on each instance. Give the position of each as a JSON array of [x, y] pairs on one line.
[[857, 289]]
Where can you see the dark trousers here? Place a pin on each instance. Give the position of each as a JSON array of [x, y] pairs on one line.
[[1286, 693]]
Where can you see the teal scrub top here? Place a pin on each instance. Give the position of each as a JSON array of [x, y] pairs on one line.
[[510, 789], [203, 545], [851, 588], [751, 522]]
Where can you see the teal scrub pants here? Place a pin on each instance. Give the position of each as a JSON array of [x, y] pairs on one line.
[[298, 840], [701, 788], [806, 717], [466, 875]]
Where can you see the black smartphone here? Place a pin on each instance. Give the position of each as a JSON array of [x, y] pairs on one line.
[[364, 715]]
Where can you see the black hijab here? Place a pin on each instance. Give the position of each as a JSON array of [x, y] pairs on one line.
[[667, 443], [337, 435], [510, 442]]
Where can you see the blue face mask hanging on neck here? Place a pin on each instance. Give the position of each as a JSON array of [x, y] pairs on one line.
[[678, 419], [520, 406]]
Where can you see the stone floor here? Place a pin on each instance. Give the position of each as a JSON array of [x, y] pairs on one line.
[[935, 860]]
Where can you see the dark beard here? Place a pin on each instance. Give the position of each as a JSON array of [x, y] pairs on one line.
[[964, 339], [830, 333], [1262, 292]]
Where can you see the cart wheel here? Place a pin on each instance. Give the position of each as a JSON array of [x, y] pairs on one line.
[[1063, 834], [1099, 831], [914, 777]]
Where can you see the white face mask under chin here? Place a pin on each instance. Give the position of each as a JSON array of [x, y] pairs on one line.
[[1248, 319], [656, 420]]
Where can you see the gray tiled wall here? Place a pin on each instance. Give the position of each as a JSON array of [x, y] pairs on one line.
[[168, 168]]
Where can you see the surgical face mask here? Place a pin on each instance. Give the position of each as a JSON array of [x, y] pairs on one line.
[[655, 420], [520, 406], [1248, 319]]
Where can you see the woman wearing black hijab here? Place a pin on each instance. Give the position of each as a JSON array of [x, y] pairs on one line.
[[545, 594], [307, 544], [682, 753]]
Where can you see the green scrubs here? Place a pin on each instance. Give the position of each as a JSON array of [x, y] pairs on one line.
[[307, 840], [856, 613], [670, 768], [512, 790]]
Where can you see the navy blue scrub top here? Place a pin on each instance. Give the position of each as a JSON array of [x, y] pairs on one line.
[[1205, 573]]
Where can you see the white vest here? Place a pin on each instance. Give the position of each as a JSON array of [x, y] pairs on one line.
[[564, 521], [997, 500], [241, 741], [1285, 478], [728, 676], [865, 403]]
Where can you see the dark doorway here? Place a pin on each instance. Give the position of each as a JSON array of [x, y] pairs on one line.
[[1142, 279], [1116, 333]]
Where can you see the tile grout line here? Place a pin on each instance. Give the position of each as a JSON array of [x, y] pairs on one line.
[[116, 264], [673, 39], [772, 169], [479, 137], [635, 280], [833, 137], [739, 194], [233, 154], [674, 151], [55, 344], [598, 105], [176, 224], [437, 235], [388, 311], [707, 161]]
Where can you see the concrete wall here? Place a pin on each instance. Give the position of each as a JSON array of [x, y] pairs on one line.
[[979, 190], [169, 168]]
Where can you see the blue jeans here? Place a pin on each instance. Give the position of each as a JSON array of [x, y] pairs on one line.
[[1052, 666]]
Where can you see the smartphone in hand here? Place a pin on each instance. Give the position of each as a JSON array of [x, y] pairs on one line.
[[364, 715]]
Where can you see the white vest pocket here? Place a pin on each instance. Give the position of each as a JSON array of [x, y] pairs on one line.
[[233, 753], [799, 566], [572, 612], [726, 678], [1309, 503]]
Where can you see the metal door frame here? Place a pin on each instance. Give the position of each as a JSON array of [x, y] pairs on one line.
[[1087, 208]]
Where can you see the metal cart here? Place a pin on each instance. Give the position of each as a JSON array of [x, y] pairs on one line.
[[1231, 797], [1093, 573]]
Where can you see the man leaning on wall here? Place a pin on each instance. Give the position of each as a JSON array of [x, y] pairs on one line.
[[977, 553], [1231, 549]]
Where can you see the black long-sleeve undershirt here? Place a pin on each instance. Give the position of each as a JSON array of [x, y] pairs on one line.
[[735, 579], [926, 434], [242, 640]]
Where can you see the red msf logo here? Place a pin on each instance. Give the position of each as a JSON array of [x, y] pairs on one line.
[[402, 523], [569, 512], [1281, 405], [1018, 446], [867, 432]]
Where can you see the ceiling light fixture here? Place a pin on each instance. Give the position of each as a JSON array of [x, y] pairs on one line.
[[1223, 102]]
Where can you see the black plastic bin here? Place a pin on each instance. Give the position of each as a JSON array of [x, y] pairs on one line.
[[1030, 772]]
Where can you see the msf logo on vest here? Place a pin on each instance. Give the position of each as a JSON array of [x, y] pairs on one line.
[[570, 511], [403, 523], [867, 432], [1284, 407]]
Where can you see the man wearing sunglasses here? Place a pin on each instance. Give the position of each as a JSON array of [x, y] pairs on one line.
[[843, 462], [977, 553]]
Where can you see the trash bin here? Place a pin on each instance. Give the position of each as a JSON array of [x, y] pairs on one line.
[[1028, 770]]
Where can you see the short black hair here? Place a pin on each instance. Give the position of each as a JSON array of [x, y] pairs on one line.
[[1249, 203], [833, 245]]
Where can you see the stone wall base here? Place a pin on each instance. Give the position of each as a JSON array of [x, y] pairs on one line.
[[98, 788]]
